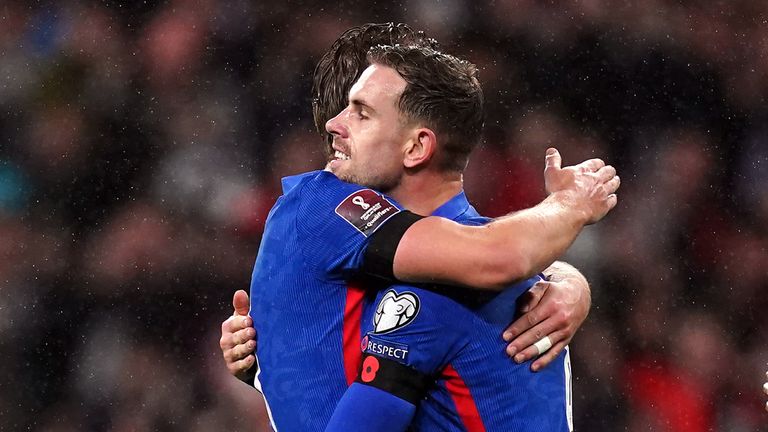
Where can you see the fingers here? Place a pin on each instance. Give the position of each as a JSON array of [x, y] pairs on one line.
[[241, 303], [765, 386], [236, 323], [531, 298], [549, 356], [605, 173], [765, 389], [532, 314], [543, 345], [555, 317], [232, 326], [535, 332], [525, 342], [238, 367], [242, 336], [241, 351], [612, 185], [609, 201], [552, 160], [238, 338], [519, 330], [238, 351], [593, 165], [530, 352]]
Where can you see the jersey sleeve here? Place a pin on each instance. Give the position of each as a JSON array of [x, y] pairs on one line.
[[371, 409], [335, 221], [411, 334]]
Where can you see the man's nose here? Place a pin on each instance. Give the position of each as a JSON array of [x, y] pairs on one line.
[[336, 126]]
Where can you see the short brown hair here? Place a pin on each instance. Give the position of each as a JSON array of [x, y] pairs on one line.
[[346, 60], [443, 92]]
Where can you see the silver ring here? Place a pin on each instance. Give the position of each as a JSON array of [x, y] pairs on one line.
[[543, 345]]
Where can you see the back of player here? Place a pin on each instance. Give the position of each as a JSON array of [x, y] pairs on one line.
[[478, 387], [299, 295]]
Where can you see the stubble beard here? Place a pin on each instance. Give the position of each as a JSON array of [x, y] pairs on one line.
[[382, 182]]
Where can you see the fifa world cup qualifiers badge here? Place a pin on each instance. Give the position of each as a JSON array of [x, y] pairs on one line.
[[366, 210]]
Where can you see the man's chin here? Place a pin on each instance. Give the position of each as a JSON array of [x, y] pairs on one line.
[[336, 166], [346, 176]]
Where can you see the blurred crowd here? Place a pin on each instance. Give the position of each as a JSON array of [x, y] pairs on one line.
[[142, 143]]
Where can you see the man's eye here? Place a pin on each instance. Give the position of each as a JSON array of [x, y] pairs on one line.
[[357, 113]]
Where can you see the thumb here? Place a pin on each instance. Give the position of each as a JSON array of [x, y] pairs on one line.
[[553, 159], [534, 296], [241, 303], [524, 301]]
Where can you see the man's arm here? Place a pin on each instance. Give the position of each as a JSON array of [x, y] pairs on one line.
[[510, 248], [554, 308], [399, 365], [461, 264], [377, 409]]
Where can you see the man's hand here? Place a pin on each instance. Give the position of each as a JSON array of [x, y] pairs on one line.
[[765, 389], [238, 338], [554, 309], [590, 186]]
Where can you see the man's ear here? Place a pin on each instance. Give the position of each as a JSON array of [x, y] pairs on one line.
[[420, 148]]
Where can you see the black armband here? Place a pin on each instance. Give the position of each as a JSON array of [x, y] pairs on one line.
[[394, 378], [379, 256]]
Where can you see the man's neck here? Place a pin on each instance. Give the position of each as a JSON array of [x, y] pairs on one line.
[[425, 192]]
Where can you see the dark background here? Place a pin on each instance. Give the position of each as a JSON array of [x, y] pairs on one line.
[[141, 144]]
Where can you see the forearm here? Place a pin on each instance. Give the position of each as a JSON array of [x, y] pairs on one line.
[[513, 247], [508, 249], [539, 235]]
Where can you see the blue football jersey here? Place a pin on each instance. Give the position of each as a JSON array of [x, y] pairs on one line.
[[313, 244], [478, 387], [456, 338], [307, 311]]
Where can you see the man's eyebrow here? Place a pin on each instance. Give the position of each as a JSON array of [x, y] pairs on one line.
[[361, 103]]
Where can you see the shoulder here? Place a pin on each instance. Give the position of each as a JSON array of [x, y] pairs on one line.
[[324, 186], [315, 181], [400, 306], [360, 207]]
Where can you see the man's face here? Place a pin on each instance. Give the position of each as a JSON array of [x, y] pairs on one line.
[[369, 135]]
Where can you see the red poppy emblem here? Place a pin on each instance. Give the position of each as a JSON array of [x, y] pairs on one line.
[[370, 367]]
